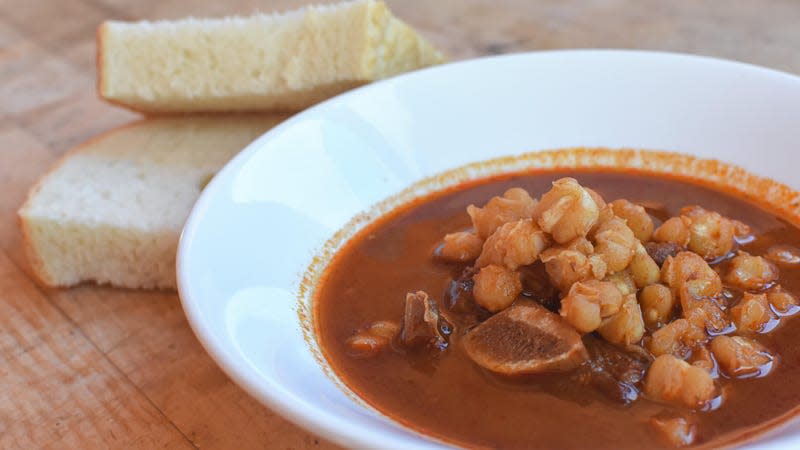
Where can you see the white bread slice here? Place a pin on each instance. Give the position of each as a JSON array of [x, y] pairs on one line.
[[263, 62], [112, 210]]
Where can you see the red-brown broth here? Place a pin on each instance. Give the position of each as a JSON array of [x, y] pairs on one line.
[[447, 396]]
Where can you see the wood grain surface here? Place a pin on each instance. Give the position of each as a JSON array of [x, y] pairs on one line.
[[98, 367]]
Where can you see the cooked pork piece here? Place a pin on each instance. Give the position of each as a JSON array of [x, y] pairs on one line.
[[422, 326], [525, 339]]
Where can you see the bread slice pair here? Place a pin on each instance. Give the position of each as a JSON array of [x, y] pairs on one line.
[[112, 210], [263, 62]]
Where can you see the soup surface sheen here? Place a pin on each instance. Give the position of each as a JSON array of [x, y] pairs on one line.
[[447, 396]]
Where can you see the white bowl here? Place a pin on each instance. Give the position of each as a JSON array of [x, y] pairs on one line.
[[257, 225]]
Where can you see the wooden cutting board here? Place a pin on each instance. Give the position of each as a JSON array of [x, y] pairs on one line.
[[101, 367]]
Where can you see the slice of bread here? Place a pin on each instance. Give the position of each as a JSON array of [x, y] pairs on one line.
[[263, 62], [112, 210]]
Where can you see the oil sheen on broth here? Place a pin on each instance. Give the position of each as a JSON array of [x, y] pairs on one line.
[[439, 389]]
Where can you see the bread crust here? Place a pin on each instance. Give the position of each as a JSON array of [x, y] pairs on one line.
[[156, 113], [100, 85], [35, 263], [99, 59]]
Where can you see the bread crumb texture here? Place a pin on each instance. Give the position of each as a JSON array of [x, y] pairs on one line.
[[285, 61], [112, 210]]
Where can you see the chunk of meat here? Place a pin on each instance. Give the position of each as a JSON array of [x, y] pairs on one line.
[[635, 217], [626, 326], [458, 297], [461, 246], [710, 234], [615, 242], [688, 267], [515, 204], [657, 304], [660, 251], [752, 313], [675, 431], [525, 339], [673, 380], [740, 357], [676, 338], [567, 211], [614, 371], [536, 285], [674, 230], [372, 339], [588, 303], [496, 287], [513, 244], [571, 263], [422, 325], [643, 269], [751, 272], [783, 303]]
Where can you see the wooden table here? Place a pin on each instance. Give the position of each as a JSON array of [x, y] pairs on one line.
[[101, 367]]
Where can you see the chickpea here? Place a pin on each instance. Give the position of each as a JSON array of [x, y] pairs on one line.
[[740, 357], [574, 262], [702, 311], [675, 338], [513, 244], [372, 339], [588, 303], [751, 272], [752, 313], [783, 254], [626, 326], [701, 357], [742, 231], [567, 211], [496, 287], [598, 199], [461, 246], [606, 214], [599, 266], [676, 431], [711, 235], [580, 312], [674, 230], [635, 217], [615, 242], [565, 267], [643, 269], [673, 380], [623, 281], [784, 303], [657, 304], [365, 346], [688, 266], [580, 244], [605, 210], [515, 204]]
